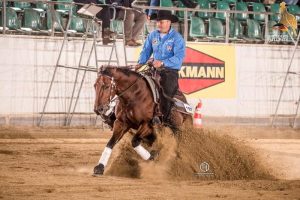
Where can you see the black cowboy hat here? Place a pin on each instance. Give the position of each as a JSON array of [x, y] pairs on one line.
[[164, 15]]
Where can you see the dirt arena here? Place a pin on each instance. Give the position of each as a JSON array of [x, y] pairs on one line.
[[245, 163]]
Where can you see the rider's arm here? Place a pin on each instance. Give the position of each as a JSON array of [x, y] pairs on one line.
[[175, 61], [147, 50]]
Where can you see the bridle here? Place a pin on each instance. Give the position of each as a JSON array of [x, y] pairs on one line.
[[113, 90], [112, 86]]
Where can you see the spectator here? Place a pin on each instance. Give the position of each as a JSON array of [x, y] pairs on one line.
[[189, 4], [291, 2], [269, 2], [151, 12], [186, 3], [105, 16], [133, 23]]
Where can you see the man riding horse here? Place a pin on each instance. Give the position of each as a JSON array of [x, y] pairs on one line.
[[168, 49], [135, 109]]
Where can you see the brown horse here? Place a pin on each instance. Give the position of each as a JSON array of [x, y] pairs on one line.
[[134, 110]]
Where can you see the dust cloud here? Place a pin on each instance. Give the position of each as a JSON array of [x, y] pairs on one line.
[[190, 154]]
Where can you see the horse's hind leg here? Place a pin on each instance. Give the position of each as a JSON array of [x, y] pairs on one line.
[[143, 131], [118, 131]]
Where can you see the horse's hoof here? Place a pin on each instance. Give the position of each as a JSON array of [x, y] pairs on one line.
[[99, 169], [153, 155]]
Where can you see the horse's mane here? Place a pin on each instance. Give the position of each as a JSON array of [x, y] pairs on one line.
[[125, 70]]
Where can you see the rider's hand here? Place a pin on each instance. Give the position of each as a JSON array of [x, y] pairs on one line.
[[137, 67], [157, 63], [150, 61]]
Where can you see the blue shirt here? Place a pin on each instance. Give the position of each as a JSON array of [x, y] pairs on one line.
[[170, 49]]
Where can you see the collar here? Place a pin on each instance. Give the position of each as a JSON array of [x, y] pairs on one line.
[[170, 31]]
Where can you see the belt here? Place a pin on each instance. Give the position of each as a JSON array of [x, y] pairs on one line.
[[170, 70]]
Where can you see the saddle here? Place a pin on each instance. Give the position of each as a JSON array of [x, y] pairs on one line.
[[179, 101]]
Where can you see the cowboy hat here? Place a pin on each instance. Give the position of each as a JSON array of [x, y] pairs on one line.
[[164, 15]]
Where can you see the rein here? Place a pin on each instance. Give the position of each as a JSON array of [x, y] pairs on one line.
[[113, 86], [122, 93]]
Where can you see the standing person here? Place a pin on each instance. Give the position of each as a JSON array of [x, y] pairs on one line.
[[189, 3], [151, 11], [168, 49], [186, 3], [105, 16], [134, 21]]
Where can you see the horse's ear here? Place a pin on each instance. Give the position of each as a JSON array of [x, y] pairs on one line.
[[105, 70], [100, 70]]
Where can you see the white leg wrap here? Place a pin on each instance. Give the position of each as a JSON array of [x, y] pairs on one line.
[[142, 152], [105, 156]]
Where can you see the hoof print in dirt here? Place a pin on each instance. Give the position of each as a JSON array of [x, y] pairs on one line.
[[99, 169]]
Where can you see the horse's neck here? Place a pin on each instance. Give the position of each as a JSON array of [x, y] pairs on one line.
[[124, 82]]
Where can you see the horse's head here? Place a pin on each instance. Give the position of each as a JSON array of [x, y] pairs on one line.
[[105, 91]]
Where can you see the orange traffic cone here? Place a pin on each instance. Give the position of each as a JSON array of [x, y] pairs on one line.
[[198, 116]]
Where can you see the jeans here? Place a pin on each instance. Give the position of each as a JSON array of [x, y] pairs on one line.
[[133, 23]]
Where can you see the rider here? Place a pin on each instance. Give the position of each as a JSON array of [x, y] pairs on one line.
[[168, 49]]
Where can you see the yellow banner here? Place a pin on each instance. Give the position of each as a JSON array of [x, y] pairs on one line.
[[208, 71], [212, 62]]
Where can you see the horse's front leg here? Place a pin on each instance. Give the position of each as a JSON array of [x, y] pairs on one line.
[[118, 131], [142, 132]]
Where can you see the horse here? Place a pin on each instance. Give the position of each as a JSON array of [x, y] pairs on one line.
[[135, 110]]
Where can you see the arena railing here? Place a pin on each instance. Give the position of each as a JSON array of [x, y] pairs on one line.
[[141, 4], [51, 9]]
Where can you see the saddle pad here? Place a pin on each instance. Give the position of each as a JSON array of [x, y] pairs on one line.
[[153, 88], [186, 107]]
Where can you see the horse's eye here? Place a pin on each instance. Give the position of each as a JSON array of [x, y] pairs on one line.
[[105, 87]]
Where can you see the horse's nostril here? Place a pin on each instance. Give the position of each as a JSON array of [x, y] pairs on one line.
[[100, 109]]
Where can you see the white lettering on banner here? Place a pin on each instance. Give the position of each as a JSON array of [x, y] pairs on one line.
[[202, 72]]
